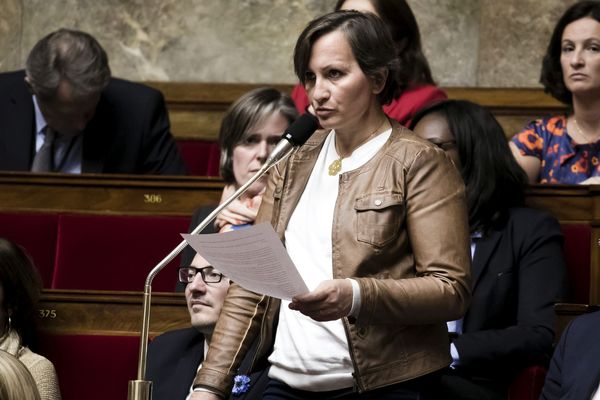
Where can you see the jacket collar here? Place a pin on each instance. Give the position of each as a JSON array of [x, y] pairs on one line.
[[309, 152], [302, 162]]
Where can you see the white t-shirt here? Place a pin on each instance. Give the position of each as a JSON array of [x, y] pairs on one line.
[[307, 354]]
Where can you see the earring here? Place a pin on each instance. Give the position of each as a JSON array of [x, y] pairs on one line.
[[9, 324]]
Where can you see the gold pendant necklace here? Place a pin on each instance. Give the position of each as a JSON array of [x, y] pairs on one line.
[[336, 165]]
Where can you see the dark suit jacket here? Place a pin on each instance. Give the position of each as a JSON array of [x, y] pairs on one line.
[[129, 133], [188, 253], [574, 371], [173, 360], [518, 273]]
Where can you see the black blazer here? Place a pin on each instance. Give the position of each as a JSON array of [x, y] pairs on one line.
[[574, 371], [129, 133], [173, 360], [518, 273]]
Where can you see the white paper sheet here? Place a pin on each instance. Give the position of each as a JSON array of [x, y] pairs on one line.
[[254, 258]]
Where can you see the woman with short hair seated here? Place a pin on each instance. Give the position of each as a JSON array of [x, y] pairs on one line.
[[517, 268], [250, 129], [566, 148]]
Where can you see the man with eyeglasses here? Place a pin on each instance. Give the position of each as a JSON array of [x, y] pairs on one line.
[[174, 357]]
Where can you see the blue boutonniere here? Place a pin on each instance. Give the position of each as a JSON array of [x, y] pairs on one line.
[[241, 384]]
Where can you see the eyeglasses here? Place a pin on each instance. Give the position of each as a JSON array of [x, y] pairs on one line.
[[208, 274]]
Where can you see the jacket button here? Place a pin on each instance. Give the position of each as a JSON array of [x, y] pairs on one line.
[[378, 202], [362, 331]]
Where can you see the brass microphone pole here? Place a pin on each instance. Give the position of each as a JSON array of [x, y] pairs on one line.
[[296, 134], [141, 389]]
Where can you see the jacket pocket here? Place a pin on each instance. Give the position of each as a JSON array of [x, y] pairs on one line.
[[378, 217]]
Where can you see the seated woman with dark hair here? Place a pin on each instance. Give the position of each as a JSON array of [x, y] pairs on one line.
[[416, 86], [20, 288], [517, 267], [566, 148]]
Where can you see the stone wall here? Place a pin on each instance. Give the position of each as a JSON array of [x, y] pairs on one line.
[[468, 42]]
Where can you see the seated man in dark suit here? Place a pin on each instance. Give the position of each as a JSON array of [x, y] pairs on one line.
[[574, 371], [175, 357], [65, 113]]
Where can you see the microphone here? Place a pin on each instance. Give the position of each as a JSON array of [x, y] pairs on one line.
[[294, 136]]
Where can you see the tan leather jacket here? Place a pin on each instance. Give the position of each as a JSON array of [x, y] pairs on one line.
[[400, 228]]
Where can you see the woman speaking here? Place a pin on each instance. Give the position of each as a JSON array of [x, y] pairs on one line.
[[374, 219]]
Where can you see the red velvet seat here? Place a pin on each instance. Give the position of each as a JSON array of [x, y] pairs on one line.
[[577, 247], [36, 233], [201, 157], [528, 384], [116, 252], [92, 367]]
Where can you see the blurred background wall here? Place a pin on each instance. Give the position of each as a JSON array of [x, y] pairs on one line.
[[473, 43]]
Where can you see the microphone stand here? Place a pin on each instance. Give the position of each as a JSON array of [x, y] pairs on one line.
[[141, 389]]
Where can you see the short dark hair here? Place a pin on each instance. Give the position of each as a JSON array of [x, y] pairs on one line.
[[552, 74], [22, 286], [493, 179], [400, 20], [369, 39], [69, 55], [243, 115]]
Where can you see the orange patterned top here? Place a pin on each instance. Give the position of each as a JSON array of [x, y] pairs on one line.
[[563, 160]]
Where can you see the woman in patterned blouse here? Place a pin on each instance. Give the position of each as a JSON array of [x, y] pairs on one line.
[[566, 148]]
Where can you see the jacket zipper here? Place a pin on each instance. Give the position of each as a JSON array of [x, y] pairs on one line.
[[356, 386], [261, 337]]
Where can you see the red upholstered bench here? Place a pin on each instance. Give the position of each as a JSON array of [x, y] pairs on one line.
[[528, 384], [92, 367], [36, 233], [577, 249], [115, 252], [201, 157]]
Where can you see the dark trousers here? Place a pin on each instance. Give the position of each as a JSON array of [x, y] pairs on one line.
[[455, 386], [416, 389]]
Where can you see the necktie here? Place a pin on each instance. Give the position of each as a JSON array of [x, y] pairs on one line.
[[44, 158]]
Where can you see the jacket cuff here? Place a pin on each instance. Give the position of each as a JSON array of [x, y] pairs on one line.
[[367, 304], [214, 382]]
